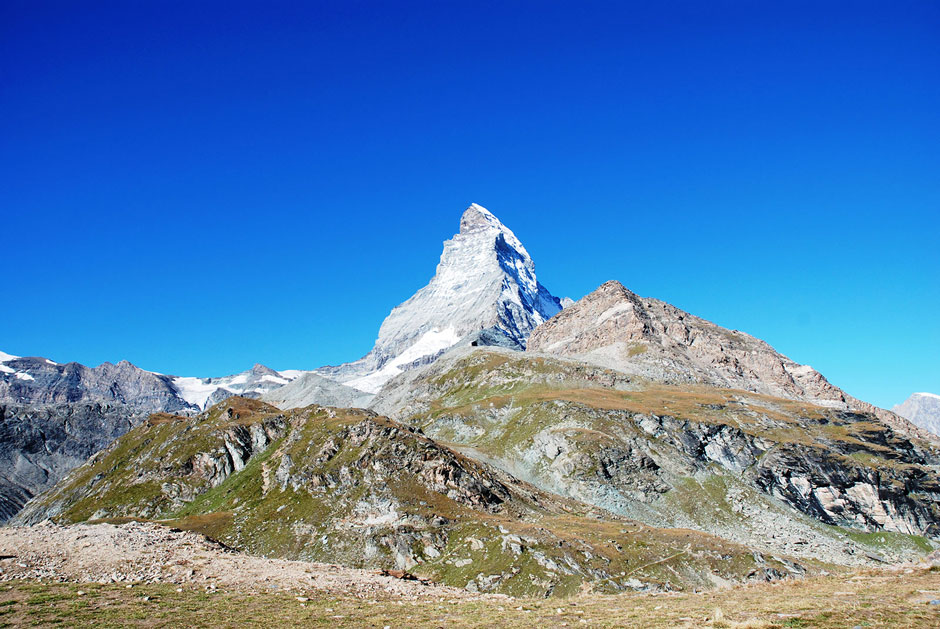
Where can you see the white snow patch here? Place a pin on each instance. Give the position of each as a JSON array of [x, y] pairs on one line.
[[6, 369], [292, 374], [269, 378], [800, 370], [194, 390], [933, 395], [5, 357], [239, 379], [51, 362], [431, 342], [22, 375]]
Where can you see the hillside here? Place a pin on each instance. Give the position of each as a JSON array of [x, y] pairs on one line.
[[775, 474], [362, 490]]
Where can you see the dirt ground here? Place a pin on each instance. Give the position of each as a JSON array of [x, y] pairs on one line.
[[146, 575], [143, 552]]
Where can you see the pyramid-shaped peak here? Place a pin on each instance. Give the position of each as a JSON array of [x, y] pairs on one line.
[[262, 370], [477, 217]]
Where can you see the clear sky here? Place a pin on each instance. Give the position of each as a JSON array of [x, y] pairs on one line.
[[199, 186]]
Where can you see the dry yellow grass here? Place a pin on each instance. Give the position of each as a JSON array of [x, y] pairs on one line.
[[868, 599]]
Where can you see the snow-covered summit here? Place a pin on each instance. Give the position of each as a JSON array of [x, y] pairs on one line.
[[485, 281]]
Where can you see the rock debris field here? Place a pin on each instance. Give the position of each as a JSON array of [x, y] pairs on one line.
[[143, 552]]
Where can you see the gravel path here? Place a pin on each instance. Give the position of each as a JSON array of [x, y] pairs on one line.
[[139, 552]]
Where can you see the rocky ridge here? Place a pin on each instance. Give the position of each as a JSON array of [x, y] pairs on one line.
[[616, 328]]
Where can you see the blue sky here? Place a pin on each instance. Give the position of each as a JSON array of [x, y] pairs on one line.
[[197, 187]]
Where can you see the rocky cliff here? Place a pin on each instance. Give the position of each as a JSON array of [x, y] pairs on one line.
[[53, 416]]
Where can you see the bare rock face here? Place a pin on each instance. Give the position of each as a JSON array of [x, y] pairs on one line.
[[54, 416], [41, 381], [40, 444], [649, 338]]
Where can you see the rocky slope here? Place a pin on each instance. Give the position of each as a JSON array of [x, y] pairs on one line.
[[922, 409], [776, 474], [365, 491], [646, 337], [40, 444], [485, 281]]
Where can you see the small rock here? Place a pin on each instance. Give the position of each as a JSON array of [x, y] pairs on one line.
[[302, 599], [935, 601]]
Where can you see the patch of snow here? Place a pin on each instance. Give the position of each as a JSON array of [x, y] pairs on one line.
[[292, 374], [4, 357], [5, 369], [239, 379], [269, 378], [22, 375], [51, 362], [933, 395], [431, 342], [800, 370], [194, 390]]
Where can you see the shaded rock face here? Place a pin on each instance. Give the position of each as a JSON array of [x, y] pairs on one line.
[[40, 444], [923, 410], [820, 483], [652, 339], [485, 280]]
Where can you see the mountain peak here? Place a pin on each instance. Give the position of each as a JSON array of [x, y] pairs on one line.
[[485, 281], [476, 217]]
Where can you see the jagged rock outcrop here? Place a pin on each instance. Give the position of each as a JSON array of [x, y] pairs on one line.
[[485, 281], [41, 381], [923, 410]]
